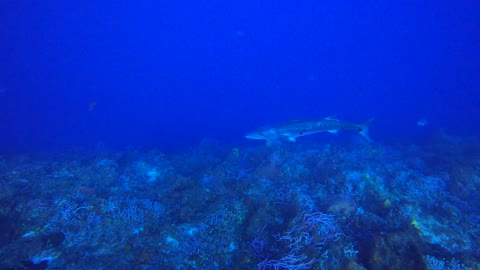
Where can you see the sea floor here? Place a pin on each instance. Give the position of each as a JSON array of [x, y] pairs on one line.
[[291, 206]]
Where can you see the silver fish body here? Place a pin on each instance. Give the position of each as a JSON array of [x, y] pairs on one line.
[[294, 129]]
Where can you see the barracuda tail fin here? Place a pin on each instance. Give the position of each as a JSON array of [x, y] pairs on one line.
[[363, 129]]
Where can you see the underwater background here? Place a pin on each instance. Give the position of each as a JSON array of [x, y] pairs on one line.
[[123, 126]]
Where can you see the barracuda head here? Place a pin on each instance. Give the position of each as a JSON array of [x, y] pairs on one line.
[[263, 134]]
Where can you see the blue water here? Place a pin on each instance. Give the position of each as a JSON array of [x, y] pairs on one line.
[[170, 74], [164, 92]]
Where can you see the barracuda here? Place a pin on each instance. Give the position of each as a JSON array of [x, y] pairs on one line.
[[294, 129]]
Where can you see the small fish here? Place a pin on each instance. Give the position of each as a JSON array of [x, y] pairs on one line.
[[91, 106], [422, 122], [292, 130]]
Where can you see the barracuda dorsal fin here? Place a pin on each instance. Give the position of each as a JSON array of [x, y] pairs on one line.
[[333, 117], [333, 131], [292, 139]]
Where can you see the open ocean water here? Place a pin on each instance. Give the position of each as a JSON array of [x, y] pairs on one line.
[[283, 135]]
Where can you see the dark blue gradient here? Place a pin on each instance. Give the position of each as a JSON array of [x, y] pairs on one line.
[[169, 73]]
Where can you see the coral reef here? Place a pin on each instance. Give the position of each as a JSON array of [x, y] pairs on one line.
[[288, 206]]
